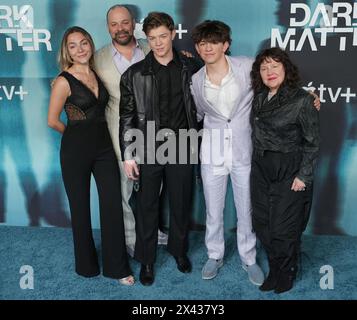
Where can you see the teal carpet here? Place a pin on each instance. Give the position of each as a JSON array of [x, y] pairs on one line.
[[49, 251]]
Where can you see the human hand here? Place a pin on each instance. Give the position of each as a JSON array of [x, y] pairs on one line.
[[317, 102], [131, 169], [298, 185], [187, 54]]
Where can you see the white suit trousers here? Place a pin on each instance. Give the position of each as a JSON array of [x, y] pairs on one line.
[[215, 186]]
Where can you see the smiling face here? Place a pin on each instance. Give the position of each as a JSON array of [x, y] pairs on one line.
[[121, 26], [79, 48], [211, 52], [272, 74], [160, 41]]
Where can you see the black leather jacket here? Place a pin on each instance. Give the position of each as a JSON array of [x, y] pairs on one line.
[[287, 123], [139, 97]]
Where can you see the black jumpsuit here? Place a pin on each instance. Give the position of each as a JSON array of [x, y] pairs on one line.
[[87, 148], [286, 143]]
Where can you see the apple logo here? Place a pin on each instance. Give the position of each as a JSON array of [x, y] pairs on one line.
[[138, 32], [309, 87]]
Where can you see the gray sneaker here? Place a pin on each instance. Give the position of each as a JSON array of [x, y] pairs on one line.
[[210, 269], [255, 274], [162, 238]]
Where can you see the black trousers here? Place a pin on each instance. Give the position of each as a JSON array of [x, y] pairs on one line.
[[279, 214], [179, 187], [86, 148]]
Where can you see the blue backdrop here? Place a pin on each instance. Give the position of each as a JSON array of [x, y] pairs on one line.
[[322, 39]]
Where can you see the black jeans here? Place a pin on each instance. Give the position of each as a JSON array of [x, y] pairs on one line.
[[86, 148], [279, 214]]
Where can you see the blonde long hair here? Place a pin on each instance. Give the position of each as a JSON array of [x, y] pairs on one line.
[[64, 59]]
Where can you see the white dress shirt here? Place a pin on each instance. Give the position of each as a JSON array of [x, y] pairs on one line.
[[123, 63], [224, 96]]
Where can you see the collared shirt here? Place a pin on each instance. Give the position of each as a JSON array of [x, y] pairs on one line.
[[123, 63], [171, 102], [223, 97]]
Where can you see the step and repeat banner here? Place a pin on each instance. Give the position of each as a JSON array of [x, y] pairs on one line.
[[321, 37]]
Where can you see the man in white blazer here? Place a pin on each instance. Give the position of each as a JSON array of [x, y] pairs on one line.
[[110, 63], [223, 98]]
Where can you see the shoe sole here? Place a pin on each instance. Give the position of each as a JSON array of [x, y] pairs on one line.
[[146, 284], [255, 283], [212, 277]]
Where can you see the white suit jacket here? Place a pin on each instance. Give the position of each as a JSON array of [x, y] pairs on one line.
[[238, 135]]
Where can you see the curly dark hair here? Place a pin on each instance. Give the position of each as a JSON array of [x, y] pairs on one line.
[[212, 31], [292, 78]]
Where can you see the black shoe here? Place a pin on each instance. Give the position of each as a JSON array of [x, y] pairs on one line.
[[271, 281], [183, 264], [147, 274], [286, 281]]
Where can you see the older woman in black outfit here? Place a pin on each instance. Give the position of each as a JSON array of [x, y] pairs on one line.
[[286, 143], [87, 149]]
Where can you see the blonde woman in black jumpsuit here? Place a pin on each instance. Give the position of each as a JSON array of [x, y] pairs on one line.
[[86, 149]]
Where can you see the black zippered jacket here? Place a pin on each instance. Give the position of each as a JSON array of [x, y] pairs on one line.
[[288, 122]]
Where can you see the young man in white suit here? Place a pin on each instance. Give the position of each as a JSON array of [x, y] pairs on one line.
[[110, 63], [223, 97]]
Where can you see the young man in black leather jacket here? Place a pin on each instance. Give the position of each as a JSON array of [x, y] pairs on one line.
[[156, 95]]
